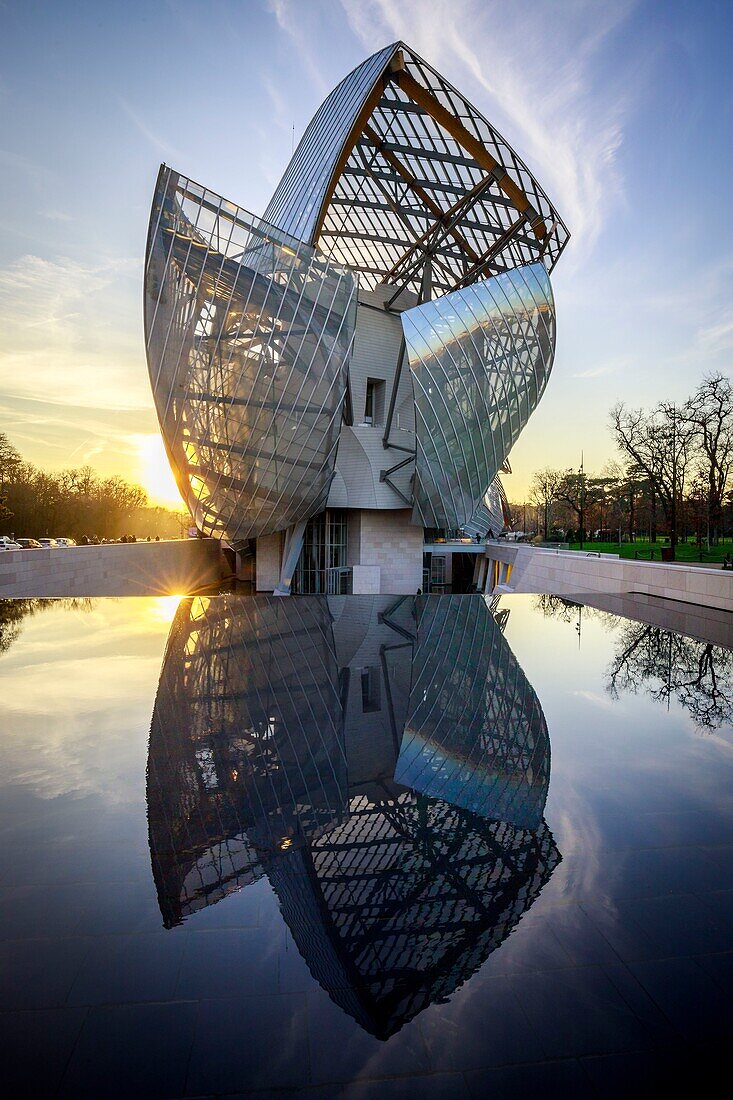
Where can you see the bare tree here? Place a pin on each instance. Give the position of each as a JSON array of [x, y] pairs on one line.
[[543, 493], [659, 445], [571, 490], [709, 413], [74, 502], [660, 663], [10, 460]]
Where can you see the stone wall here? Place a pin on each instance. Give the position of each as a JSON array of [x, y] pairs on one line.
[[388, 539], [366, 580], [118, 569], [269, 554], [576, 573]]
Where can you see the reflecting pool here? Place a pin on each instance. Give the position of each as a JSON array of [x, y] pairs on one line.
[[363, 845]]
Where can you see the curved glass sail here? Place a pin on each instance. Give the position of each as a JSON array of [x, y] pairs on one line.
[[480, 359], [492, 514], [246, 744], [393, 798], [485, 747], [296, 204], [248, 333]]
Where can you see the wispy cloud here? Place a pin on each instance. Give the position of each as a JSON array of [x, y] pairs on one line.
[[291, 19], [70, 334], [597, 700], [696, 310], [275, 134], [37, 175], [717, 337], [56, 215], [149, 135], [55, 435], [611, 366], [538, 70]]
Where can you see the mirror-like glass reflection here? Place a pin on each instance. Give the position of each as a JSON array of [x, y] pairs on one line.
[[384, 762], [356, 883], [665, 665], [13, 612]]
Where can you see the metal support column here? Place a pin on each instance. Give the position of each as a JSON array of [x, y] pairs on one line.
[[291, 552]]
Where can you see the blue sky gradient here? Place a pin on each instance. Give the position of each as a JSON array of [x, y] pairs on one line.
[[623, 110]]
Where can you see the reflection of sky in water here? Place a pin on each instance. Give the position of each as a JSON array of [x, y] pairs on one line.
[[76, 697], [640, 809], [616, 763], [78, 688]]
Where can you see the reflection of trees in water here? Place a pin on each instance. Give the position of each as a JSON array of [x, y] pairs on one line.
[[697, 674], [12, 613], [557, 607]]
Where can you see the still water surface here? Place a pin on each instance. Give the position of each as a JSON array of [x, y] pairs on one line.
[[365, 846]]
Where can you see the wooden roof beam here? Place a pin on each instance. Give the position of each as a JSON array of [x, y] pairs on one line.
[[407, 176], [445, 223], [452, 125], [493, 250]]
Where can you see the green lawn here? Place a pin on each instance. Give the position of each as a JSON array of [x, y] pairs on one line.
[[686, 551]]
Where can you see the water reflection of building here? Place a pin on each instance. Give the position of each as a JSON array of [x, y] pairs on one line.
[[245, 744], [385, 763]]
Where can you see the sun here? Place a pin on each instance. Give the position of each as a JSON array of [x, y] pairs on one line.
[[154, 472]]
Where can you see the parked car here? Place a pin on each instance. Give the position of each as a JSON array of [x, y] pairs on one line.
[[8, 544], [28, 544], [48, 544], [66, 542]]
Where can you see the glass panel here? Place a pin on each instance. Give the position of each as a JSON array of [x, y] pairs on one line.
[[248, 334], [485, 747], [296, 204], [399, 859], [480, 359], [246, 748]]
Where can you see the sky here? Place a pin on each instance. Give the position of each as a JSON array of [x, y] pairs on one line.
[[622, 109]]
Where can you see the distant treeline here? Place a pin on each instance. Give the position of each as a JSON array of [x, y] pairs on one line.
[[73, 503]]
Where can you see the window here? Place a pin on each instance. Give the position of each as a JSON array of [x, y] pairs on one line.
[[336, 538], [437, 570], [370, 695], [374, 404]]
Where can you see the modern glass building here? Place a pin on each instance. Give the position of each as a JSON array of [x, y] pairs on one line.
[[354, 367]]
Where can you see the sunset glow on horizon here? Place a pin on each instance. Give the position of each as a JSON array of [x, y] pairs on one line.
[[154, 473], [644, 289]]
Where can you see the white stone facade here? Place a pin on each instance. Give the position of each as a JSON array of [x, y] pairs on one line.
[[383, 549], [118, 569], [387, 539], [267, 567], [572, 573]]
